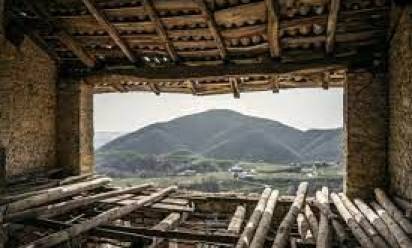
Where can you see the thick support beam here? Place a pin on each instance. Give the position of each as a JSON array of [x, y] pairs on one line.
[[213, 28], [151, 11], [273, 28], [110, 29], [331, 27]]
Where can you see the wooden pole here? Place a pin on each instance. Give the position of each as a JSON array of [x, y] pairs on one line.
[[250, 227], [377, 222], [403, 240], [264, 224], [168, 223], [405, 205], [303, 227], [392, 210], [55, 194], [340, 233], [363, 222], [56, 209], [313, 222], [105, 217], [357, 231], [323, 239], [235, 225], [282, 235]]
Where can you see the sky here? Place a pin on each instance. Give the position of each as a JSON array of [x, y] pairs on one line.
[[301, 108]]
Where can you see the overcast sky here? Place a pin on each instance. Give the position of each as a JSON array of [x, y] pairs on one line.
[[300, 108]]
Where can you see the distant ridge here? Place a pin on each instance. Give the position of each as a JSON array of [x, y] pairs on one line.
[[226, 134]]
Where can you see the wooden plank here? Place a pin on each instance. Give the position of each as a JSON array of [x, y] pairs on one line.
[[273, 28], [331, 27], [102, 20], [213, 28], [151, 11]]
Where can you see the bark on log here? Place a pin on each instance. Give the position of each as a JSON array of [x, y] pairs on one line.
[[264, 224], [313, 221], [236, 222], [357, 231], [250, 227], [105, 217], [63, 207], [377, 222], [282, 234], [324, 236], [363, 222], [55, 194], [392, 210], [340, 233], [403, 240]]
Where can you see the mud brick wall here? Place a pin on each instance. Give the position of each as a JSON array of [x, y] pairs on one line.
[[27, 108], [400, 98], [365, 123], [75, 127]]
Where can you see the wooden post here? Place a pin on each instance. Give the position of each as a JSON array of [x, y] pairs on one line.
[[313, 222], [250, 227], [403, 240], [235, 225], [324, 235], [357, 231], [377, 222], [340, 233], [264, 224], [282, 235], [105, 217]]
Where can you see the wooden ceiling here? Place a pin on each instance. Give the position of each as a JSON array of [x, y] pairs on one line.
[[208, 46]]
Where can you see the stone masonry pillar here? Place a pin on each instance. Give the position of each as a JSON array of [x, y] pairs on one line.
[[365, 123], [75, 150]]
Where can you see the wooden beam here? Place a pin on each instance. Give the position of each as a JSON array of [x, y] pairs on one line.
[[153, 86], [192, 85], [235, 225], [154, 17], [273, 28], [64, 37], [110, 29], [331, 27], [168, 223], [234, 84], [213, 28], [275, 83]]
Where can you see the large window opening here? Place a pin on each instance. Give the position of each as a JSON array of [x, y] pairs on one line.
[[218, 143]]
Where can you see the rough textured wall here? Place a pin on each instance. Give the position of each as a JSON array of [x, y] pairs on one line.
[[27, 108], [400, 78], [366, 130], [75, 127]]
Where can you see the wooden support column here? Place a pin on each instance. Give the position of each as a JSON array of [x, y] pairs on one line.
[[161, 31], [365, 136], [331, 27], [273, 28], [110, 29], [213, 28]]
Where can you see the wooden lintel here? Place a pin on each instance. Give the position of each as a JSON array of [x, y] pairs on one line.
[[331, 27], [119, 87], [154, 17], [153, 86], [213, 28], [273, 28], [110, 29], [63, 36], [234, 84], [275, 83]]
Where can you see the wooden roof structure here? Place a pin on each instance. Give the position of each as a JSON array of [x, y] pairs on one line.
[[204, 47]]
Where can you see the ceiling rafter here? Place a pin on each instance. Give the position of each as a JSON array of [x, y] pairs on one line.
[[331, 26], [213, 28], [110, 29], [154, 17], [273, 28], [63, 36]]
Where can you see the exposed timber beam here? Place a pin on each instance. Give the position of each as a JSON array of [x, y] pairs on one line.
[[151, 11], [331, 27], [273, 28], [213, 28], [153, 86], [110, 29], [65, 38], [234, 84]]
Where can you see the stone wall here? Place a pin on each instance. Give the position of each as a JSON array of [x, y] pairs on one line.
[[400, 77], [365, 133], [75, 127], [27, 107]]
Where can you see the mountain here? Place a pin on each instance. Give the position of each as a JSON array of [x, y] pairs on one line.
[[101, 138], [224, 135]]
